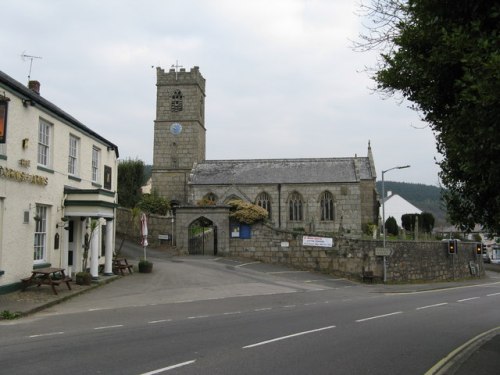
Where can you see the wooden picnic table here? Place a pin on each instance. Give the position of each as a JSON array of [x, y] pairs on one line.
[[47, 276], [121, 264]]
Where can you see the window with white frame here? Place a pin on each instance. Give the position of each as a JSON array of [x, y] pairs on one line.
[[44, 138], [40, 247], [96, 156], [74, 143]]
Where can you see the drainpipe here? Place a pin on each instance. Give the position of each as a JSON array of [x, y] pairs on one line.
[[279, 205]]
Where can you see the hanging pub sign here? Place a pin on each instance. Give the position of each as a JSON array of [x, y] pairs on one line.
[[3, 121]]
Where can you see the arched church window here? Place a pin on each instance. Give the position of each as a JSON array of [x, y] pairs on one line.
[[176, 104], [263, 200], [326, 203], [295, 207]]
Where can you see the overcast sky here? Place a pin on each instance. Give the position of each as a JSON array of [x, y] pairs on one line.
[[282, 80]]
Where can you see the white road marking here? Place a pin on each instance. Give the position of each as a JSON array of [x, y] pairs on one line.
[[198, 317], [279, 272], [169, 368], [264, 309], [493, 294], [378, 316], [159, 321], [108, 327], [46, 334], [467, 299], [289, 306], [287, 337], [232, 313], [246, 264], [429, 306]]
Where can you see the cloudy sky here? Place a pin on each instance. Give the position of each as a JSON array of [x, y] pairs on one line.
[[282, 78]]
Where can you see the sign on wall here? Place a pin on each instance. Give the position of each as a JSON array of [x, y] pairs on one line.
[[317, 241], [3, 121]]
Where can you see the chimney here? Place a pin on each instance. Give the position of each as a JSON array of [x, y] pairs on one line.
[[34, 86]]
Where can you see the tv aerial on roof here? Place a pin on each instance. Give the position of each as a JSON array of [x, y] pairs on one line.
[[25, 57]]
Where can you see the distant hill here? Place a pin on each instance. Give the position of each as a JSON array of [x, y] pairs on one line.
[[425, 197]]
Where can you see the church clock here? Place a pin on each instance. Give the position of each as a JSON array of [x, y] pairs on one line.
[[176, 128]]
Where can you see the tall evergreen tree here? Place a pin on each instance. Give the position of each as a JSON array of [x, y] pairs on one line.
[[130, 180], [444, 56]]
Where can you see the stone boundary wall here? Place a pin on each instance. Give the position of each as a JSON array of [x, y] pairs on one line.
[[410, 261], [157, 224]]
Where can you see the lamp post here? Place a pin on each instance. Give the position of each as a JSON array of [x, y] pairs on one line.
[[383, 211], [173, 221]]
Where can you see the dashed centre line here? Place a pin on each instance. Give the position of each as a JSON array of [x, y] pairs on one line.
[[198, 317], [378, 316], [108, 327], [159, 321], [429, 306], [169, 368], [46, 334], [467, 299], [492, 294], [287, 337]]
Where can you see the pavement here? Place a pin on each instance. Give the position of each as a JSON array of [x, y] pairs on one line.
[[480, 355]]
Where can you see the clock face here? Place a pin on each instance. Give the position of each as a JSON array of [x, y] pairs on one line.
[[176, 128]]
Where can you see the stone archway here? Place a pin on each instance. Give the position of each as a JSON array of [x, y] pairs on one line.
[[202, 237], [217, 216]]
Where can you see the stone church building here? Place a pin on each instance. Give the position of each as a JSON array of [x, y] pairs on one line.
[[314, 195]]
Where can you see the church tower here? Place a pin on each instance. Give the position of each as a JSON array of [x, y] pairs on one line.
[[179, 131]]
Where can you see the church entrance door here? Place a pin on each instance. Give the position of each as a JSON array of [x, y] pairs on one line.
[[202, 237]]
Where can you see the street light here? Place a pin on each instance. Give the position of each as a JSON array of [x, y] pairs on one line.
[[383, 211]]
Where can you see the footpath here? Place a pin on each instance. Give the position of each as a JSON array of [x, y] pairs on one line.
[[480, 355]]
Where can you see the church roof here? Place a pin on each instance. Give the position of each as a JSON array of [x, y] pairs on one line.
[[284, 171]]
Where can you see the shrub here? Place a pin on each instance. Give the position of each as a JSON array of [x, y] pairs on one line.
[[391, 226]]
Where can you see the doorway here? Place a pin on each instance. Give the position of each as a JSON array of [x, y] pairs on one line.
[[202, 237]]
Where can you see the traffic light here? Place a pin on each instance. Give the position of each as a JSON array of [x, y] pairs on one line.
[[452, 247], [479, 248]]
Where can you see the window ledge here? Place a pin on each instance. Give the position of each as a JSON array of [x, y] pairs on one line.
[[45, 169], [41, 265], [95, 184], [74, 178]]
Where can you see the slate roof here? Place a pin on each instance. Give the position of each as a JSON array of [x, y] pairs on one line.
[[284, 171], [25, 93]]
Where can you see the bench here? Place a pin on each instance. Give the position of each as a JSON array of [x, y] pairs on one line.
[[121, 264], [46, 276]]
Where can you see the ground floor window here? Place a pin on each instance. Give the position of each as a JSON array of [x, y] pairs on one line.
[[40, 248]]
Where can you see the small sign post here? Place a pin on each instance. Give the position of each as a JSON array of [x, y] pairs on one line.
[[383, 251]]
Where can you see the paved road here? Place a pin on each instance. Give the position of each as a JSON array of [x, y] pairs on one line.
[[217, 316]]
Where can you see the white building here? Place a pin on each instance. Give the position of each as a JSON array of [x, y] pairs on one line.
[[396, 206], [56, 175]]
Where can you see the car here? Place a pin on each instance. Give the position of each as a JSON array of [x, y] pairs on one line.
[[486, 258]]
